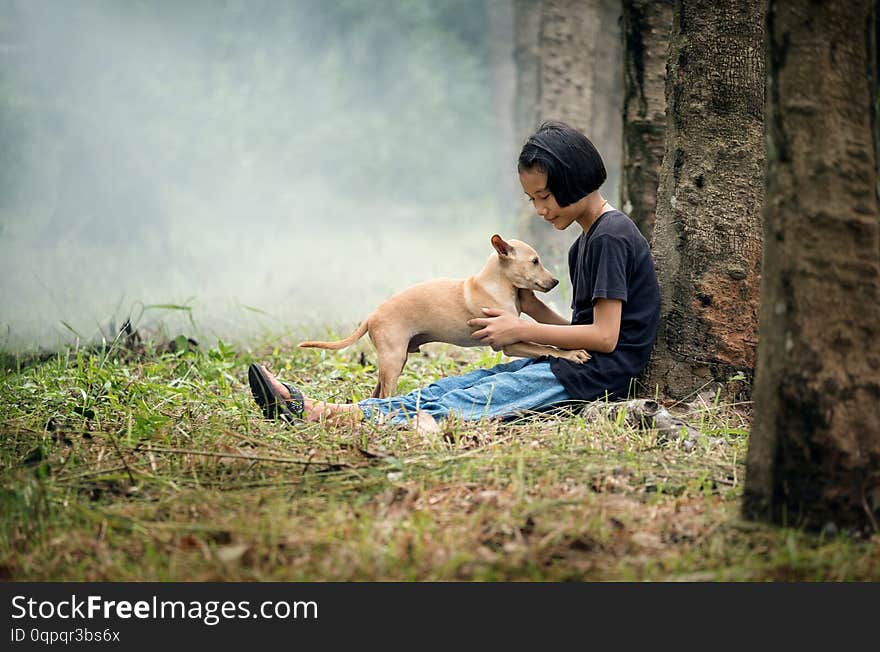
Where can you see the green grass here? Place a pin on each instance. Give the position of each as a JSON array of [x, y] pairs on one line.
[[154, 464]]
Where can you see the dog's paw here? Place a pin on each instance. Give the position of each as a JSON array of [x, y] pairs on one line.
[[580, 356]]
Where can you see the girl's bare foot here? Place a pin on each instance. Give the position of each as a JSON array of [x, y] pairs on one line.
[[317, 410], [281, 389]]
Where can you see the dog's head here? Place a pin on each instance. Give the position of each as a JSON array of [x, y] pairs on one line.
[[522, 266]]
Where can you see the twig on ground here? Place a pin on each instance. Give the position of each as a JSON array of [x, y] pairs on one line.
[[258, 458]]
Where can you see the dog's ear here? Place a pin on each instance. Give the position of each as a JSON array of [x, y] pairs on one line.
[[503, 248]]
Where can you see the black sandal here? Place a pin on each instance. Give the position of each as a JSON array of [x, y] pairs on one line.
[[273, 405]]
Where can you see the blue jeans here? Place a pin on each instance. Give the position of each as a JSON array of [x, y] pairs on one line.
[[501, 391]]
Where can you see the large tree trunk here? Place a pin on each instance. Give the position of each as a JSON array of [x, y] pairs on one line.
[[707, 236], [568, 55], [646, 27], [814, 454]]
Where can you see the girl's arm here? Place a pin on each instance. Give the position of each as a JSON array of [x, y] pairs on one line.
[[501, 328], [538, 310]]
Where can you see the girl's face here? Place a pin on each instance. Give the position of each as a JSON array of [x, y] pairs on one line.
[[534, 183]]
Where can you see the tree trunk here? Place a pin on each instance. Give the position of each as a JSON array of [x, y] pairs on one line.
[[646, 26], [526, 57], [568, 55], [502, 74], [606, 118], [707, 236], [814, 453]]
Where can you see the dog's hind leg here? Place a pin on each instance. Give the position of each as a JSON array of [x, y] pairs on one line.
[[391, 344], [390, 368]]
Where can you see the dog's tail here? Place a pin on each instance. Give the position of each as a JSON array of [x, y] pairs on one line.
[[340, 344]]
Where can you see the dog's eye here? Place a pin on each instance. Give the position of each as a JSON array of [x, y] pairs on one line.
[[534, 261]]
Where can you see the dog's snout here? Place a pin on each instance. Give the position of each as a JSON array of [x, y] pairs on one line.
[[546, 286]]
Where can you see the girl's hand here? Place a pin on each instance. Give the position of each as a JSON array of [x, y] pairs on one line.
[[499, 328]]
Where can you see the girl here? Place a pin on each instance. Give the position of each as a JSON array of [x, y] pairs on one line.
[[615, 311]]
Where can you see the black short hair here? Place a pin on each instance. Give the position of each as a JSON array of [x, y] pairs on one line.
[[571, 162]]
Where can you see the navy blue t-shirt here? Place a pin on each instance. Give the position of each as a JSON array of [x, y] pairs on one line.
[[612, 261]]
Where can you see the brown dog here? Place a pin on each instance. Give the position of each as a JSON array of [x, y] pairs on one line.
[[438, 311]]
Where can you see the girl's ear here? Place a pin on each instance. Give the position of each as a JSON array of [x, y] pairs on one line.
[[503, 248]]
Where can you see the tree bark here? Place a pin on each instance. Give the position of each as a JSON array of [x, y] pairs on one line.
[[527, 57], [502, 75], [814, 453], [707, 235], [646, 27], [568, 55], [606, 118]]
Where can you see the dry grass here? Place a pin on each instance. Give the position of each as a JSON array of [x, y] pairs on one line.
[[153, 464]]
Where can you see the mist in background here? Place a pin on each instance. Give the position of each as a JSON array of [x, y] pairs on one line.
[[268, 165]]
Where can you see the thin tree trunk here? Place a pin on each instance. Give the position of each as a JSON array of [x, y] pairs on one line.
[[707, 236], [568, 56], [814, 453], [561, 78], [646, 27], [569, 32], [606, 118], [502, 73], [527, 57]]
